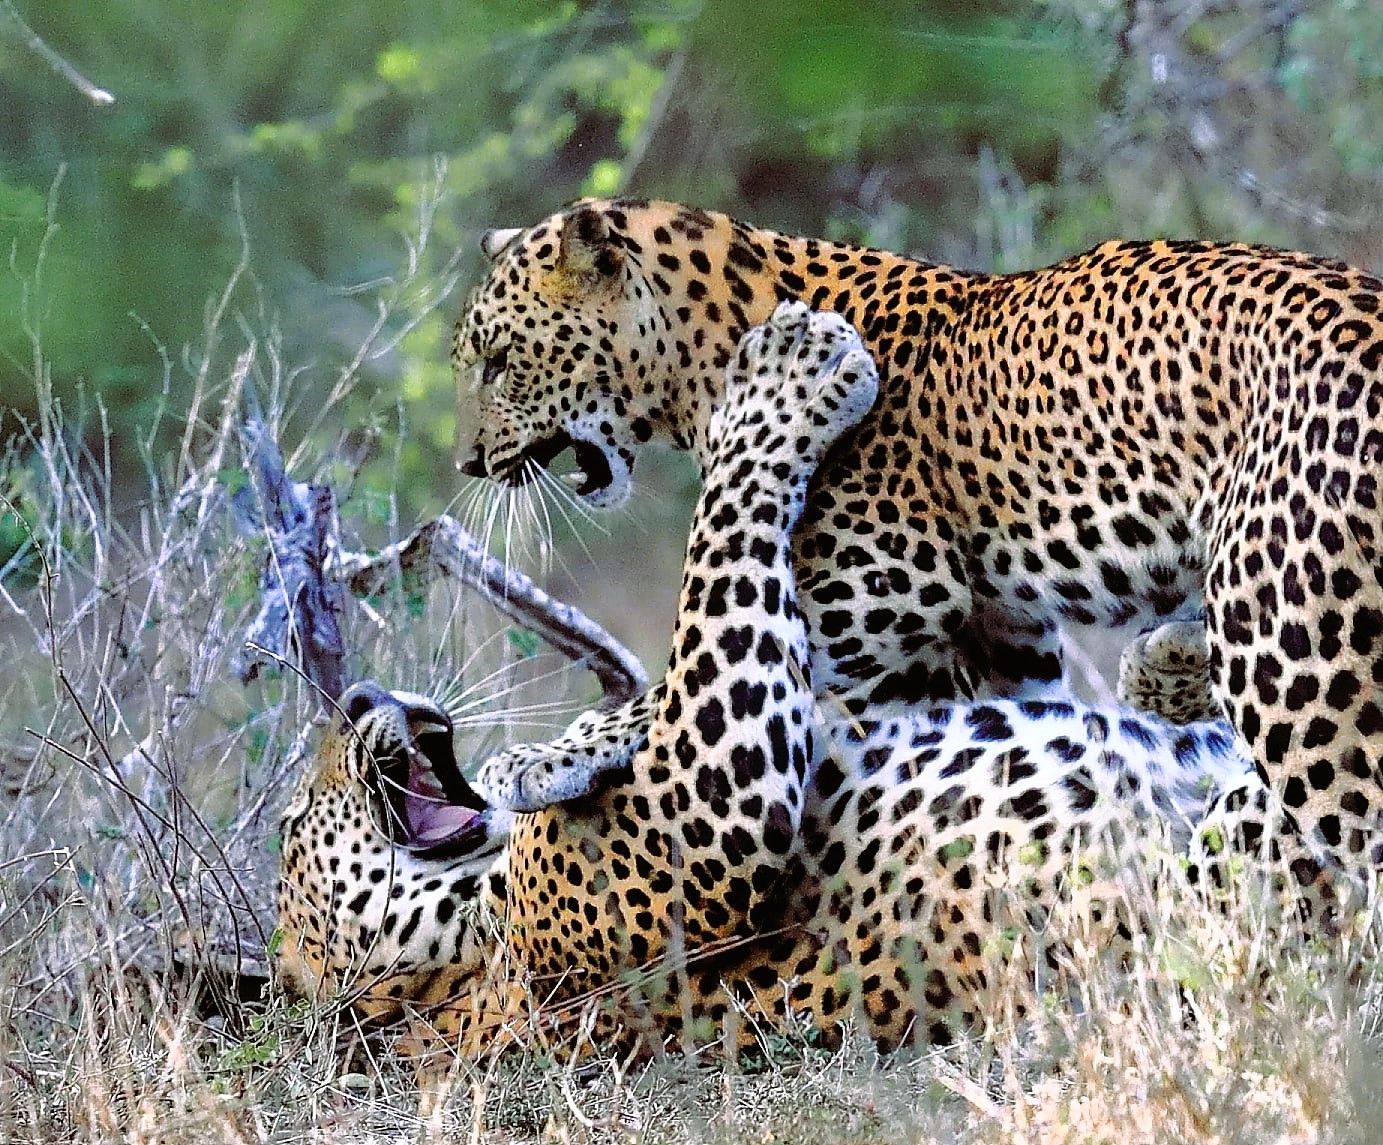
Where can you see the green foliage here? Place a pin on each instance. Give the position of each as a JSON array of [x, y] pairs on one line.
[[998, 134], [263, 1040], [22, 531], [525, 643], [16, 554], [950, 68]]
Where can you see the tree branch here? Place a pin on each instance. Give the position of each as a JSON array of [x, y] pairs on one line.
[[99, 96], [442, 547], [305, 574], [301, 605]]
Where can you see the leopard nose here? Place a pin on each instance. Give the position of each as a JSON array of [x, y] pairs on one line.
[[474, 465], [359, 699]]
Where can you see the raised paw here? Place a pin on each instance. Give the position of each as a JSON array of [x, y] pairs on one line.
[[530, 776], [797, 383], [1167, 671], [587, 756]]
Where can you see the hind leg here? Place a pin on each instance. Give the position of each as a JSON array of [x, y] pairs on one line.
[[1295, 622]]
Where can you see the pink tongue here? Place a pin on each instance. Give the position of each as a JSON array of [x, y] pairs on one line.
[[430, 816]]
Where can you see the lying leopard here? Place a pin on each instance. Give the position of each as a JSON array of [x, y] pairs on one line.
[[1143, 430], [755, 851]]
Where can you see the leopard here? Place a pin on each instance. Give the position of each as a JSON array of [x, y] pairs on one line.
[[762, 858], [1140, 431]]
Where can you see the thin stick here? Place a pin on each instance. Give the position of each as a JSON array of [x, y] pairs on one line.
[[99, 96], [442, 546]]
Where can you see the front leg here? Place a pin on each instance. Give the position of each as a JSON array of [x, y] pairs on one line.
[[706, 826], [732, 741]]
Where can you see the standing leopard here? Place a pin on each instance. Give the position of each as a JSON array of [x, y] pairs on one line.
[[757, 851], [1142, 429]]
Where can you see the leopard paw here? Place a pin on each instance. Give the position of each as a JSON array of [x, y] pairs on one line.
[[1167, 672]]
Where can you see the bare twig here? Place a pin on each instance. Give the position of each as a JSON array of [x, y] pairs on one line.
[[442, 547], [300, 605], [99, 96]]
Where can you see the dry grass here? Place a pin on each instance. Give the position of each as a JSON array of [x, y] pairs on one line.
[[142, 787], [1276, 1051]]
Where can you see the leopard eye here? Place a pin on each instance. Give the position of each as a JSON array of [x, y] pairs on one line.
[[494, 366]]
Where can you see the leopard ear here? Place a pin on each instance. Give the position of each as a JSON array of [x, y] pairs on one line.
[[494, 241], [588, 250]]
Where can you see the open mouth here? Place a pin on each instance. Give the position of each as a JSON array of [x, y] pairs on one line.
[[593, 469], [432, 806], [594, 466]]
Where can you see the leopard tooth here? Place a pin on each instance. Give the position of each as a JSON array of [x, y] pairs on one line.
[[573, 480], [425, 772]]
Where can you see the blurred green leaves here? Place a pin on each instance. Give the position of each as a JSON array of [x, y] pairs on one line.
[[885, 69], [997, 134], [325, 120]]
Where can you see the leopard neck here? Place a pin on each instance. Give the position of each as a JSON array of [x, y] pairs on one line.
[[713, 277]]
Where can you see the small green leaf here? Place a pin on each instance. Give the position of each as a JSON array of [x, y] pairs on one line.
[[604, 178], [174, 162], [957, 849], [398, 64], [525, 643], [233, 479]]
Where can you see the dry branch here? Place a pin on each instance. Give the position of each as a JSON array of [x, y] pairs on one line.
[[442, 547], [305, 571], [298, 617]]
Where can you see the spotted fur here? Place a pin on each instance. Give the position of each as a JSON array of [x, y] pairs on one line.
[[1140, 429], [757, 851]]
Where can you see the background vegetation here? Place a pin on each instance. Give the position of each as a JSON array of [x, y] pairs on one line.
[[286, 196], [996, 135]]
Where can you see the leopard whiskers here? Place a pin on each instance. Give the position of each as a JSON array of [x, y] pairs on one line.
[[452, 686], [518, 522], [507, 514], [540, 478], [472, 504], [462, 700], [535, 525], [551, 489], [583, 511]]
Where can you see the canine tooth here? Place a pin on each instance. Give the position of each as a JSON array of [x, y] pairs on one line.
[[573, 480], [422, 727]]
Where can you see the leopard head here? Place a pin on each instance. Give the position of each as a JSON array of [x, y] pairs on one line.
[[568, 343], [387, 856]]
